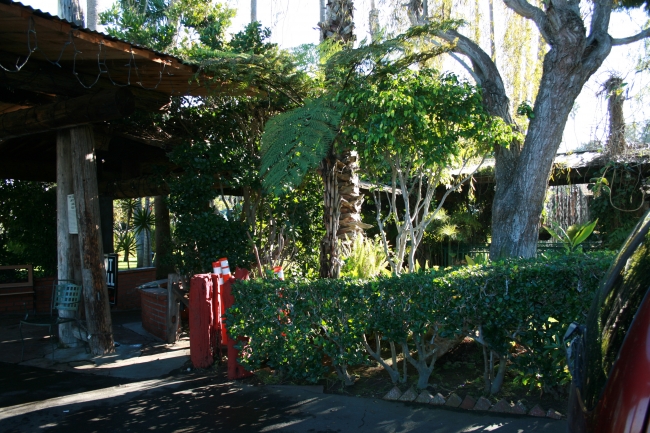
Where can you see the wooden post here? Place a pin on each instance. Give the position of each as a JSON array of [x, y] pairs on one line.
[[163, 238], [173, 308], [84, 171], [201, 320], [68, 259]]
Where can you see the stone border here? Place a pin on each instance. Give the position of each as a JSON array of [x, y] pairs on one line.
[[470, 403]]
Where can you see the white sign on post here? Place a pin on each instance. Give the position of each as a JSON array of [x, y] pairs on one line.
[[72, 216]]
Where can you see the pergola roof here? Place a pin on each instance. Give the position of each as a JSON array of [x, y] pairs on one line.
[[94, 60], [45, 60]]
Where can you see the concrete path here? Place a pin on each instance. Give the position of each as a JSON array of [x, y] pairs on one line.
[[146, 386], [196, 403]]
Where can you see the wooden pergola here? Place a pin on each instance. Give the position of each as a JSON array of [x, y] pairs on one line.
[[60, 85]]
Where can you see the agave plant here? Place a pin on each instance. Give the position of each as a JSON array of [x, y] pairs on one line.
[[572, 237], [126, 243]]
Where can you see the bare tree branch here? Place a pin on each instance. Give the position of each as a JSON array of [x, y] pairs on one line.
[[526, 10], [600, 18], [639, 36]]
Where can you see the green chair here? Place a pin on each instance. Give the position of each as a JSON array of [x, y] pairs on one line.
[[65, 297]]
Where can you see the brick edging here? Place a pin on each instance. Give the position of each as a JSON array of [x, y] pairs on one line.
[[470, 403]]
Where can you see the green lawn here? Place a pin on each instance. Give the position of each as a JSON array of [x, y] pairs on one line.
[[122, 265]]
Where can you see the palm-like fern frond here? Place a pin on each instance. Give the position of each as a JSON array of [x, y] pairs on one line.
[[295, 142]]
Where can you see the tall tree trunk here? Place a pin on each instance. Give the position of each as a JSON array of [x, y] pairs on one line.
[[322, 15], [616, 138], [338, 24], [329, 261], [522, 172], [253, 11], [373, 21], [522, 177], [68, 258], [350, 197], [93, 273], [493, 45], [91, 11], [339, 172], [70, 10]]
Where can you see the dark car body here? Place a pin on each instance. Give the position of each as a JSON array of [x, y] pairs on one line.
[[609, 357]]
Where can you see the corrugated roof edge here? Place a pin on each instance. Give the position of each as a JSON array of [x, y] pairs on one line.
[[49, 16]]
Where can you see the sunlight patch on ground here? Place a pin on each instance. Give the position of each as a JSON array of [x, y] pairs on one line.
[[89, 396]]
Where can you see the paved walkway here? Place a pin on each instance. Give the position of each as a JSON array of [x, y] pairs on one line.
[[146, 386], [138, 354]]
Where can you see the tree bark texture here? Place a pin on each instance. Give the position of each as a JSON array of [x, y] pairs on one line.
[[84, 169], [105, 105], [91, 10], [68, 258], [351, 199], [338, 24], [522, 177], [329, 261], [70, 10], [616, 137], [253, 11], [522, 172]]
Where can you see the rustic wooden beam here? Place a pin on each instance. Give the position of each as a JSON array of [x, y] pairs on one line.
[[93, 273], [68, 257], [173, 308], [24, 97], [105, 105], [45, 79]]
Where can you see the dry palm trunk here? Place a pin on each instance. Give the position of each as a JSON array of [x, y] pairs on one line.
[[338, 24], [616, 140], [342, 197], [329, 262], [351, 199]]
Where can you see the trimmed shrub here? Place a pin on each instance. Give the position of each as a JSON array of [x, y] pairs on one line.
[[294, 326]]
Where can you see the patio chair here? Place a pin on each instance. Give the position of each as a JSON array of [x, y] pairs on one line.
[[65, 297]]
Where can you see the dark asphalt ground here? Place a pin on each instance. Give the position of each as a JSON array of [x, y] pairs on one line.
[[37, 400]]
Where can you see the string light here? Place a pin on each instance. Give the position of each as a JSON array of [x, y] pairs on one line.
[[102, 67]]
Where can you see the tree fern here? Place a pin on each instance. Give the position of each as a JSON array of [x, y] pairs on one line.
[[295, 142]]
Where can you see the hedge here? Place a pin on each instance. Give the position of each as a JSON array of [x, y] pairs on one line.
[[295, 326]]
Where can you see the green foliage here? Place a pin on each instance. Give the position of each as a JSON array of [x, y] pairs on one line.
[[292, 326], [617, 202], [201, 233], [168, 25], [292, 220], [527, 303], [143, 220], [364, 258], [28, 225], [420, 117], [525, 109], [573, 236], [295, 142]]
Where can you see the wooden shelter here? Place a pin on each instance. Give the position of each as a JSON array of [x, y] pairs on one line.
[[55, 75], [60, 86]]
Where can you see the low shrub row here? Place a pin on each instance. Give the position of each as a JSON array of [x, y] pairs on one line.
[[517, 309]]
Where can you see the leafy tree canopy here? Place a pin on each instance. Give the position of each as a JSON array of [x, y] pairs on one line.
[[28, 225], [169, 25]]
